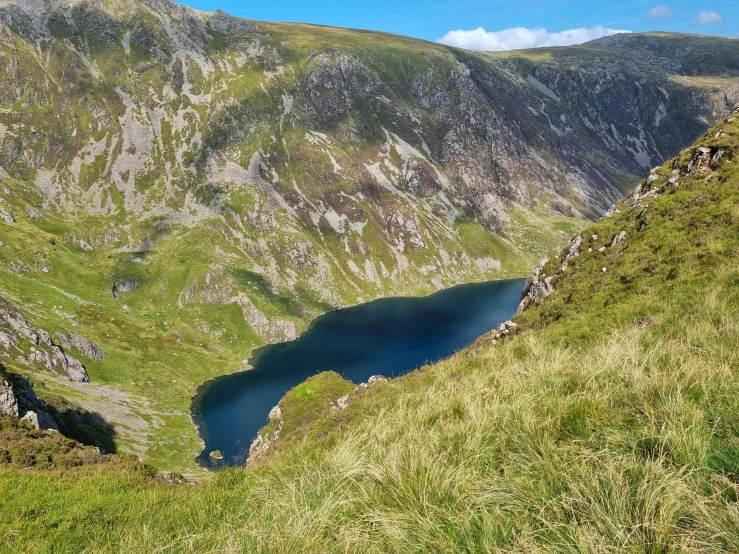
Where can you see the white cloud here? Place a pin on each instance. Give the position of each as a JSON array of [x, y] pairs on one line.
[[663, 11], [520, 37], [707, 18]]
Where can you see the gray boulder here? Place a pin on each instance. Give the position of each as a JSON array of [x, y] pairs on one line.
[[129, 285], [76, 371], [33, 213], [343, 402]]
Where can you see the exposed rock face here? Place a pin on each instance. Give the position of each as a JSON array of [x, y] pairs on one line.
[[618, 239], [85, 346], [76, 371], [275, 415], [40, 420], [262, 443], [343, 402], [573, 252], [8, 403], [25, 405], [705, 160], [6, 217], [537, 287], [83, 244], [308, 160], [217, 287], [506, 329], [129, 285], [31, 345]]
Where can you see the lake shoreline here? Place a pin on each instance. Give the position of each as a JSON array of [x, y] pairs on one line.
[[198, 410]]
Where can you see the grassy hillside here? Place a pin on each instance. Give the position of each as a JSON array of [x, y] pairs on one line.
[[235, 179], [608, 424]]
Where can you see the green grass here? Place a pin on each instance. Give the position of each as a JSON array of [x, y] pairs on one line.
[[162, 350], [608, 424]]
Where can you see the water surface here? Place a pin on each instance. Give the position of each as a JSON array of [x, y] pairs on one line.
[[387, 337]]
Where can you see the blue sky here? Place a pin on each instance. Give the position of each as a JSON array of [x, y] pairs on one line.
[[477, 23]]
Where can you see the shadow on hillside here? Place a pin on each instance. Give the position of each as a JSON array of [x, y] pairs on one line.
[[88, 428]]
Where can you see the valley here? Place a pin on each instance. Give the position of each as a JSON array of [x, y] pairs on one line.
[[232, 180]]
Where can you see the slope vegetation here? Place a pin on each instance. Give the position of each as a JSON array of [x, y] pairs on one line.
[[606, 424], [231, 179]]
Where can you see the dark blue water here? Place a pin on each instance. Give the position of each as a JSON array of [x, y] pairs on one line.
[[387, 337]]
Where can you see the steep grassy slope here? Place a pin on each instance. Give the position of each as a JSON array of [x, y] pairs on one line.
[[234, 179], [608, 424]]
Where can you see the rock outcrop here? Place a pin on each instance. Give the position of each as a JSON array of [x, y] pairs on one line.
[[8, 403], [702, 160], [83, 244], [264, 441], [35, 346], [537, 287], [23, 404], [618, 239], [343, 402], [85, 346], [572, 252]]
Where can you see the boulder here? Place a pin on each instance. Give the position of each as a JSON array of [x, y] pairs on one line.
[[343, 402], [76, 371], [84, 245], [33, 213], [129, 285], [40, 420], [611, 211]]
